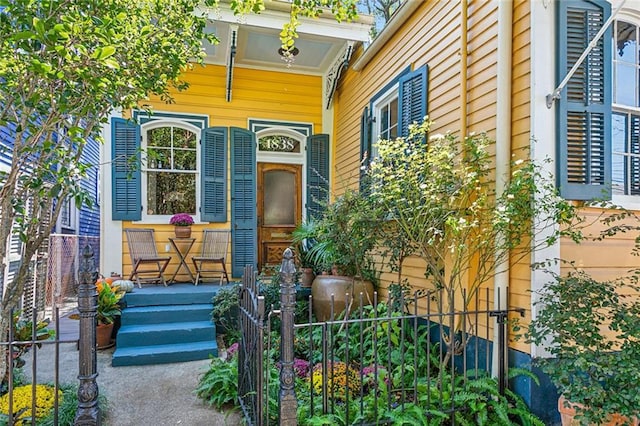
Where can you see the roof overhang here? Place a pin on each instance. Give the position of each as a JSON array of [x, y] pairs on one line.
[[320, 43]]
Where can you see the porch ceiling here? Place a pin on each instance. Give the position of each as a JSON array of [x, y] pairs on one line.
[[320, 40]]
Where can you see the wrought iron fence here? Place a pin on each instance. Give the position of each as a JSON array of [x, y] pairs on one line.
[[27, 333], [374, 363]]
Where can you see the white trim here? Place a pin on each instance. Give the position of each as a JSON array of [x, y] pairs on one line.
[[277, 14], [385, 99], [631, 202], [173, 122], [543, 129], [110, 230]]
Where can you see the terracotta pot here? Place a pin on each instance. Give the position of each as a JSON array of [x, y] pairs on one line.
[[183, 231], [339, 286], [568, 413], [103, 335], [306, 277]]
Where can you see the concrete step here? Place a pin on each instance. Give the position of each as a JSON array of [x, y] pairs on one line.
[[139, 315], [179, 294], [162, 354], [165, 333]]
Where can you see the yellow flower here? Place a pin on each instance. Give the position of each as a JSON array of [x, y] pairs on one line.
[[340, 377], [45, 399]]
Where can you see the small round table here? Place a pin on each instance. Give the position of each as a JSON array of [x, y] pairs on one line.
[[182, 246]]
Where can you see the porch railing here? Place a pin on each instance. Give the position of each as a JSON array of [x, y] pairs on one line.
[[387, 350]]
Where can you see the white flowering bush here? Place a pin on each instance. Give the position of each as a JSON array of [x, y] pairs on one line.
[[439, 195]]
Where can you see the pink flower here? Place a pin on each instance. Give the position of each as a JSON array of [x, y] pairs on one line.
[[181, 219], [232, 350]]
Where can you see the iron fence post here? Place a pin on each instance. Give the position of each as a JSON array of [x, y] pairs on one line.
[[88, 413], [501, 320], [287, 403]]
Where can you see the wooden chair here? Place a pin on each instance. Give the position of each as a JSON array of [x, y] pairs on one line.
[[215, 244], [144, 257]]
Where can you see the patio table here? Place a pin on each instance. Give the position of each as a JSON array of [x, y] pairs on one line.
[[182, 246]]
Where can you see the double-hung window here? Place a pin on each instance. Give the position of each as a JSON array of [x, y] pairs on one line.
[[168, 163], [626, 110], [402, 102], [172, 171]]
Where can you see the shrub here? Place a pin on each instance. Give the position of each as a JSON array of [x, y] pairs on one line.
[[218, 386]]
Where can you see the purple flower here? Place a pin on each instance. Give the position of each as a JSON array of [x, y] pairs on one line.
[[301, 366], [232, 350], [181, 219]]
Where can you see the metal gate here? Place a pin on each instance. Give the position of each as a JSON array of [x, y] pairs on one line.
[[251, 380]]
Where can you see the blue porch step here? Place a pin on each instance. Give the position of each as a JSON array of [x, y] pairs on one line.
[[138, 315], [162, 354], [166, 324]]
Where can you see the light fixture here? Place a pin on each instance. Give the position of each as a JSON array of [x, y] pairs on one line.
[[289, 55]]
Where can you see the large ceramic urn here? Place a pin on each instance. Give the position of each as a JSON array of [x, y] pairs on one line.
[[341, 288]]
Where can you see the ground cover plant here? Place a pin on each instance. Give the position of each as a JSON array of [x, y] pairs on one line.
[[375, 371]]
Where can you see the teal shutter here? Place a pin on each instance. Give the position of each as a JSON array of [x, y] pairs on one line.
[[365, 143], [317, 174], [412, 99], [125, 178], [584, 107], [243, 200], [214, 175]]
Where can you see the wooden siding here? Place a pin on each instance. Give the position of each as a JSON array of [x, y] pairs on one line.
[[432, 36], [603, 260], [89, 217], [256, 94], [520, 273]]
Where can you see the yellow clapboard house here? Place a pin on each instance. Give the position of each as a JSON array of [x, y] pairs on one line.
[[257, 135]]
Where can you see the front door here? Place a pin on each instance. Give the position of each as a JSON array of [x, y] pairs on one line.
[[279, 209]]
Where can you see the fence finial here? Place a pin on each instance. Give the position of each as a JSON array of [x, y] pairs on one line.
[[288, 405]]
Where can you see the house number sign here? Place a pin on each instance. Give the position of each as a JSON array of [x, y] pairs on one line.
[[278, 143]]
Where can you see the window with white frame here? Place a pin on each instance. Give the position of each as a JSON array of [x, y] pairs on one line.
[[170, 178], [626, 109], [385, 122]]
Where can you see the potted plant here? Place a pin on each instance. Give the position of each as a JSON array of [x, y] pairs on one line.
[[108, 308], [346, 236], [591, 329], [182, 223], [304, 240]]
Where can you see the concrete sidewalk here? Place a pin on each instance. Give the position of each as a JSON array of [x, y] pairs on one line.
[[154, 395]]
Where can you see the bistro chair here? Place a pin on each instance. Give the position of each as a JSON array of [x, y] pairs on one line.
[[212, 259], [147, 265]]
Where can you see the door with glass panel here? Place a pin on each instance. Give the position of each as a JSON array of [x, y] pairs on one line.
[[279, 209]]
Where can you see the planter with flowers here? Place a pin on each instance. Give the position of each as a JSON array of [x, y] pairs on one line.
[[182, 223], [108, 308]]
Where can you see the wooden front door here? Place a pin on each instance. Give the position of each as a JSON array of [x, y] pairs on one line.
[[279, 209]]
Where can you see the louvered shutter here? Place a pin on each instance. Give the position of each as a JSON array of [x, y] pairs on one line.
[[412, 99], [317, 174], [584, 108], [125, 179], [243, 200], [365, 142], [214, 175]]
